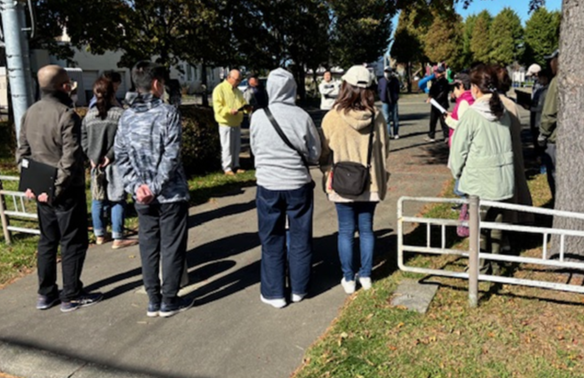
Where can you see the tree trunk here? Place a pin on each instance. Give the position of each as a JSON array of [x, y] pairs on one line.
[[205, 95], [300, 81], [570, 138], [410, 78]]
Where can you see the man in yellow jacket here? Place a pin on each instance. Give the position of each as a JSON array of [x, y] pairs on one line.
[[229, 106]]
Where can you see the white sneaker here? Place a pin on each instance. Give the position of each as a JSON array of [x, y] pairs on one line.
[[396, 137], [365, 282], [277, 303], [349, 286], [297, 297]]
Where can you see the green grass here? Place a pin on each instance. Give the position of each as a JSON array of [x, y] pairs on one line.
[[515, 332]]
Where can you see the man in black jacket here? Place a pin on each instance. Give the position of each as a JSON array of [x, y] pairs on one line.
[[51, 134], [439, 92]]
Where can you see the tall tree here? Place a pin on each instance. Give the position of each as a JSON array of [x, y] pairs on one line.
[[293, 33], [570, 155], [99, 31], [542, 34], [480, 44], [360, 30], [466, 57], [408, 41], [443, 40], [506, 38]]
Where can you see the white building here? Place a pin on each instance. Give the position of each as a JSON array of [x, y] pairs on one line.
[[88, 67]]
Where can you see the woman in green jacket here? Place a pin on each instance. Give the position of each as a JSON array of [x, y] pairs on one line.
[[482, 151]]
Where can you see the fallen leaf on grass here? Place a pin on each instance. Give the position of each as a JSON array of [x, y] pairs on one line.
[[342, 336]]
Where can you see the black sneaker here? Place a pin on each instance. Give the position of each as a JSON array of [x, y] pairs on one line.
[[153, 310], [84, 300], [45, 302], [181, 304]]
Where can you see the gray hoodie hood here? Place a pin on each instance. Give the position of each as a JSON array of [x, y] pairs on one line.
[[281, 87], [481, 105]]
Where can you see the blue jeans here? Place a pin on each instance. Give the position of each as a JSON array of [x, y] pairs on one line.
[[456, 190], [356, 216], [98, 210], [273, 207], [390, 113]]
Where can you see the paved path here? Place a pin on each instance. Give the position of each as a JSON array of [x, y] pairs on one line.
[[229, 333]]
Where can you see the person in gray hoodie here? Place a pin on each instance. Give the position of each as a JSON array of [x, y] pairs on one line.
[[284, 189]]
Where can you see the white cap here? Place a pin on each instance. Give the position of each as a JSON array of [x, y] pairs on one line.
[[358, 76], [534, 69]]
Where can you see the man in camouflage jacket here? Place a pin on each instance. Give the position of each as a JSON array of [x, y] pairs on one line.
[[147, 150]]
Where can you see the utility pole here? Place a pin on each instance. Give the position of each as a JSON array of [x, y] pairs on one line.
[[17, 60]]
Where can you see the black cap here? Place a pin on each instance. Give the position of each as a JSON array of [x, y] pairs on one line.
[[462, 78]]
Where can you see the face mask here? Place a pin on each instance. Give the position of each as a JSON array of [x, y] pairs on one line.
[[387, 75]]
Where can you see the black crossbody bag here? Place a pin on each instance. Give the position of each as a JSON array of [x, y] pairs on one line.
[[285, 138], [351, 178]]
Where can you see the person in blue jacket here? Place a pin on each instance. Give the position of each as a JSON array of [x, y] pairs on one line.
[[388, 88]]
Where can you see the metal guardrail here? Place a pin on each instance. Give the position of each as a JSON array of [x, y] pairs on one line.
[[474, 255], [17, 210]]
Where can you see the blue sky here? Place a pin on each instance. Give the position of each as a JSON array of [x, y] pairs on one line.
[[521, 7]]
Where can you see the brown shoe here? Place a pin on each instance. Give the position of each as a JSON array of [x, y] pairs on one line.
[[123, 243], [229, 173], [239, 171], [99, 240]]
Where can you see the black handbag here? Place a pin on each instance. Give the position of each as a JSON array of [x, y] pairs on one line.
[[350, 178]]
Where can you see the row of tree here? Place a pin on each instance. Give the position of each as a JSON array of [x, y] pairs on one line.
[[257, 34], [435, 35]]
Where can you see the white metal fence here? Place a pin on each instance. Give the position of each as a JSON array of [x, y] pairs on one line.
[[13, 205], [473, 253]]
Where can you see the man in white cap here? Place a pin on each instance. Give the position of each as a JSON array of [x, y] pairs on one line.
[[534, 71]]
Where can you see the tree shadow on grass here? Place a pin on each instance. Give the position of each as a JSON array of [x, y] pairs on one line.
[[203, 195]]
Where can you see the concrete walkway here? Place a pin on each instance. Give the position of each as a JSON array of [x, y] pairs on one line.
[[229, 333]]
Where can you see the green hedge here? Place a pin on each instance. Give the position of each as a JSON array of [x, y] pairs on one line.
[[201, 149]]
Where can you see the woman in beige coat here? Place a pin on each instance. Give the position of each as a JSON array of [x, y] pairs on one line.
[[346, 134]]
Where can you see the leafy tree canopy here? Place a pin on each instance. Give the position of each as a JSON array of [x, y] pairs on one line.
[[542, 34], [480, 44], [506, 38]]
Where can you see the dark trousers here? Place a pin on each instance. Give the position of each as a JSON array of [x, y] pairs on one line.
[[549, 159], [162, 233], [491, 240], [273, 207], [64, 223], [436, 116]]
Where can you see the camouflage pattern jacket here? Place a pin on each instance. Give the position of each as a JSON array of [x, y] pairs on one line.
[[147, 149]]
